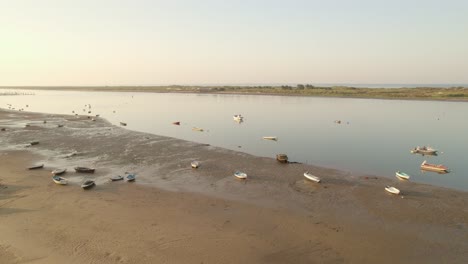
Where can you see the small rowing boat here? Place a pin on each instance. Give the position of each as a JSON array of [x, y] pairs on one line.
[[35, 167], [88, 184], [195, 164], [59, 171], [59, 180], [311, 177], [84, 169], [197, 129], [123, 124], [433, 167], [270, 138], [240, 175], [130, 177], [116, 178], [402, 176], [392, 190]]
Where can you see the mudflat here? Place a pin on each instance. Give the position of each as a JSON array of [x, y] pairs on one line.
[[175, 214]]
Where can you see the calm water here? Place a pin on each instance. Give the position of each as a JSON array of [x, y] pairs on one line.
[[374, 137]]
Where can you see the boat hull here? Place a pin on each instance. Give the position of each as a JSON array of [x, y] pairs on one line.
[[311, 177], [402, 176]]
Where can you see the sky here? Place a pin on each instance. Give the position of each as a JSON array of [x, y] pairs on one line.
[[189, 42]]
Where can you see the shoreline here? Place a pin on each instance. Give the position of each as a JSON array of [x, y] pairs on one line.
[[274, 217]]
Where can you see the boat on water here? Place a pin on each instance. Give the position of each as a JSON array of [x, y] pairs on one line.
[[32, 143], [283, 158], [424, 150], [84, 169], [311, 177], [433, 167], [88, 184], [116, 178], [392, 190], [238, 118], [270, 138], [195, 164], [240, 175], [197, 129], [176, 123], [59, 180], [123, 124], [131, 177], [402, 176], [59, 171], [35, 167]]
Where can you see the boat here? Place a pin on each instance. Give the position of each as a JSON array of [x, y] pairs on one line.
[[59, 180], [32, 143], [176, 123], [130, 177], [195, 164], [123, 124], [240, 175], [84, 169], [424, 150], [116, 178], [59, 125], [88, 184], [283, 158], [402, 175], [270, 138], [433, 167], [392, 189], [197, 129], [38, 166], [59, 171], [311, 177], [238, 118]]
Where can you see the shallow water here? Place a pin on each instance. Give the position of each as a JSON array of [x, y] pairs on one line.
[[374, 137]]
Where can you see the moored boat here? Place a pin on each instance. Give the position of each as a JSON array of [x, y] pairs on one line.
[[197, 129], [59, 180], [270, 138], [116, 178], [433, 167], [195, 164], [240, 175], [88, 184], [84, 169], [311, 177], [59, 171], [238, 118], [283, 158], [176, 123], [131, 177], [402, 175], [35, 167], [392, 190], [123, 124], [424, 150]]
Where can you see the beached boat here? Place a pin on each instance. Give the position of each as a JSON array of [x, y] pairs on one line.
[[195, 164], [59, 180], [392, 190], [283, 158], [130, 177], [402, 175], [88, 184], [116, 178], [35, 167], [59, 171], [424, 150], [84, 169], [270, 138], [197, 129], [176, 123], [32, 143], [240, 175], [311, 177], [123, 124], [433, 167]]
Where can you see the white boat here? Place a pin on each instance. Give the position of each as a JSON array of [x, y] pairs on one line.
[[130, 177], [270, 138], [59, 171], [238, 118], [197, 129], [195, 164], [59, 180], [311, 177], [402, 175], [116, 178], [392, 189], [240, 175], [88, 184]]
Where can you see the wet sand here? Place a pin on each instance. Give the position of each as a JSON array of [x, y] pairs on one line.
[[175, 214]]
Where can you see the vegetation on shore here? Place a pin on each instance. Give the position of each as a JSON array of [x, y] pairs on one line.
[[421, 93]]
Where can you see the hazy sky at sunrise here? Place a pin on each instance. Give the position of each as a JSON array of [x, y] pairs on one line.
[[139, 42]]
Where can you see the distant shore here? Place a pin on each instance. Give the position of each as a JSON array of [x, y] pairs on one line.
[[176, 214], [418, 93]]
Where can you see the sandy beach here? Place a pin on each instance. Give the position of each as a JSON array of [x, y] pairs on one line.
[[176, 214]]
